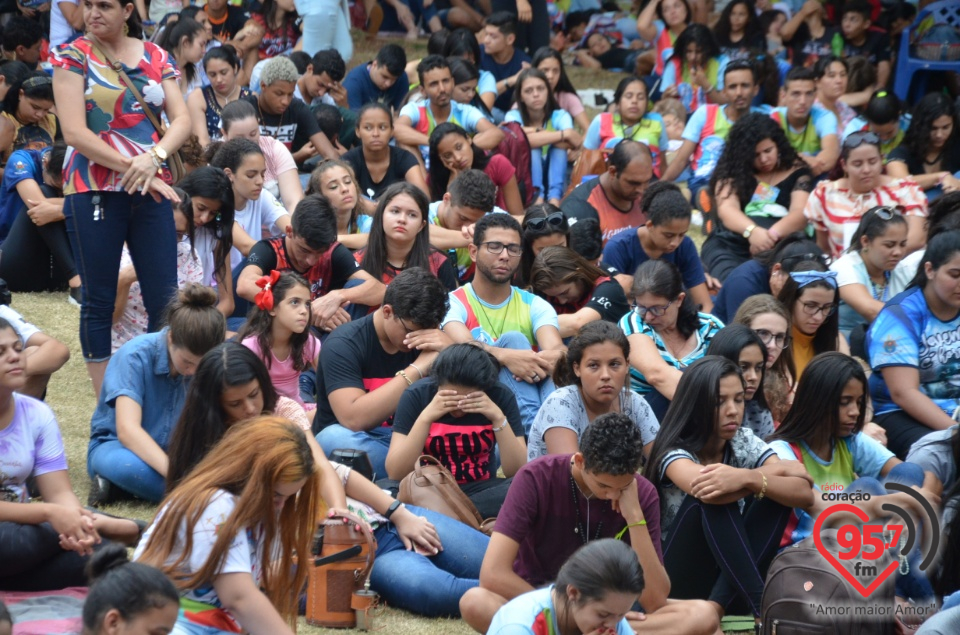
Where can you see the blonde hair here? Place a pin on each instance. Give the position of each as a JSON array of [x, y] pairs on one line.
[[249, 462]]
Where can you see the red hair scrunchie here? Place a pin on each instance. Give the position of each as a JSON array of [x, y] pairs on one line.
[[264, 299]]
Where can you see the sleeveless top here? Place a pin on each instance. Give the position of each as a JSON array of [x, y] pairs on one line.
[[214, 109]]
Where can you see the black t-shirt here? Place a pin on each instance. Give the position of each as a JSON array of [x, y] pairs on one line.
[[400, 163], [949, 162], [606, 298], [352, 357], [293, 128], [235, 19], [876, 48], [616, 57], [464, 444], [332, 270], [807, 50]]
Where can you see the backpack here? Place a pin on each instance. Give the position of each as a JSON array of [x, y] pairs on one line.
[[516, 148], [801, 583]]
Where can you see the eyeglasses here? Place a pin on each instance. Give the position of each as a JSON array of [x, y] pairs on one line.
[[496, 247], [769, 339], [812, 308], [556, 219], [655, 311], [857, 139], [406, 328], [886, 212]]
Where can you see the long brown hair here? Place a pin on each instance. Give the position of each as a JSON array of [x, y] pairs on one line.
[[249, 462], [558, 265]]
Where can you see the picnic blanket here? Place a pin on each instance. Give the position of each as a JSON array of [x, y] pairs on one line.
[[46, 612]]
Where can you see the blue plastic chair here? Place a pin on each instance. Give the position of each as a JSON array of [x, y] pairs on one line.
[[910, 67]]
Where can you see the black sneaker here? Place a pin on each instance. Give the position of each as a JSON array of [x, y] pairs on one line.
[[76, 296], [102, 492]]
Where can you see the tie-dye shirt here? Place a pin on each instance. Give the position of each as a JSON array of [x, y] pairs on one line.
[[113, 113], [29, 446]]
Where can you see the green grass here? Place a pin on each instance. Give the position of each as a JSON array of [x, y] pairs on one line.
[[70, 393]]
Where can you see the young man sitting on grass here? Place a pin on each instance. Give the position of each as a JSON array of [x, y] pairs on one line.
[[559, 502]]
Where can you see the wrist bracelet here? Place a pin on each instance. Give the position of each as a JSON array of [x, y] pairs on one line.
[[763, 490], [625, 529], [416, 368], [502, 425], [394, 506], [403, 374]]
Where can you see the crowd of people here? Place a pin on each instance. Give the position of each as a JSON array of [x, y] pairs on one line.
[[281, 254]]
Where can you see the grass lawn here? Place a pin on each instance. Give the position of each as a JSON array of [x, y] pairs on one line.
[[71, 396]]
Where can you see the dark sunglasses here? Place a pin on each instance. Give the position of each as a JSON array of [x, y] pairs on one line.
[[790, 262], [884, 212], [556, 219], [859, 138]]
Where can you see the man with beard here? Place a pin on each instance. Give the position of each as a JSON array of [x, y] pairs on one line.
[[518, 328], [613, 198], [706, 132], [418, 119]]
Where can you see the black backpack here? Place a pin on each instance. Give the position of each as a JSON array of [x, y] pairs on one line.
[[805, 595]]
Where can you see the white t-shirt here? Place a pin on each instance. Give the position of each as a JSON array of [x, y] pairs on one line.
[[24, 329], [60, 29], [244, 555], [263, 212]]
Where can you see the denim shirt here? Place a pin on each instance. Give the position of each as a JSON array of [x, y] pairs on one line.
[[140, 370]]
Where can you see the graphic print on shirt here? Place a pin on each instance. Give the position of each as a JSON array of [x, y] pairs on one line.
[[464, 449]]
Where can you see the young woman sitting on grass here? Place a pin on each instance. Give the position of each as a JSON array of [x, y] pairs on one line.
[[724, 494], [43, 546]]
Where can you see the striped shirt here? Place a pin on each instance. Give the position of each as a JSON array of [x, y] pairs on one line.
[[631, 324], [837, 210]]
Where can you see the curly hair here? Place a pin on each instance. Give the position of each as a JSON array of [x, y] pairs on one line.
[[750, 31], [929, 109], [735, 166], [612, 445]]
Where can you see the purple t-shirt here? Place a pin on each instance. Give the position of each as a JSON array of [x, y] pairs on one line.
[[30, 446], [539, 514]]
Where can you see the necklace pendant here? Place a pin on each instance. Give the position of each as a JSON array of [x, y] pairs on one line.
[[576, 530]]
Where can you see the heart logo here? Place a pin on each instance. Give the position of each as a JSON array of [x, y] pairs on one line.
[[865, 591]]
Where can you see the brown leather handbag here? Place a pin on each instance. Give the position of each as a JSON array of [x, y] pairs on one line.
[[431, 485], [590, 163], [340, 577]]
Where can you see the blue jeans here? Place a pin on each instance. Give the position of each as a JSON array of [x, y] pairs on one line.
[[914, 585], [375, 443], [428, 586], [529, 396], [126, 470], [555, 165], [148, 230]]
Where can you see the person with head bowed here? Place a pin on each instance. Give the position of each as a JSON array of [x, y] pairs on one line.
[[580, 292], [593, 593], [810, 294], [222, 67], [759, 190], [116, 183], [561, 502], [863, 271], [930, 154], [365, 367], [592, 380], [229, 533], [543, 225], [143, 393], [43, 545], [912, 350], [725, 496], [666, 330]]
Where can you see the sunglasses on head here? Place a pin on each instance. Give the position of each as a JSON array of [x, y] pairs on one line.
[[887, 212], [859, 138], [556, 219], [789, 262]]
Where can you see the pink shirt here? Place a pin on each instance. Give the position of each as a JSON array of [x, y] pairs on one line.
[[278, 160], [285, 379]]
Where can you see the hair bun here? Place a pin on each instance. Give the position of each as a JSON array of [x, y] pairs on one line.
[[104, 560], [195, 295]]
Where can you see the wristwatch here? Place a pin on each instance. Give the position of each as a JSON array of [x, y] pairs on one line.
[[160, 152], [748, 231]]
